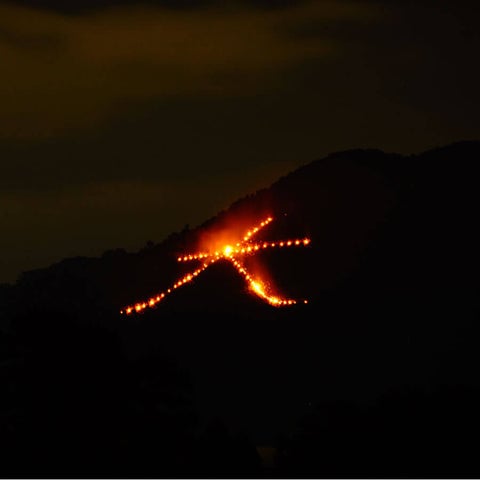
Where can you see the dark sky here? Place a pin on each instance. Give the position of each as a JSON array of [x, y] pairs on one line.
[[122, 121]]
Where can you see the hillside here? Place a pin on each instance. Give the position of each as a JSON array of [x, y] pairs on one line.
[[386, 212], [390, 275]]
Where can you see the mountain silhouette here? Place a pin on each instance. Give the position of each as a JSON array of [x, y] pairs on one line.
[[373, 219], [390, 330]]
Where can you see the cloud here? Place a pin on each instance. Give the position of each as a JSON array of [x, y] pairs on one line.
[[82, 6], [61, 73]]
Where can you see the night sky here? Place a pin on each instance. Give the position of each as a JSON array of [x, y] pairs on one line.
[[121, 122]]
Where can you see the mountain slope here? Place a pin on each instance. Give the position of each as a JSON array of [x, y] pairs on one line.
[[383, 214], [390, 274]]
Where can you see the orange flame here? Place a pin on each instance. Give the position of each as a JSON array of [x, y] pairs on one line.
[[228, 252], [240, 250]]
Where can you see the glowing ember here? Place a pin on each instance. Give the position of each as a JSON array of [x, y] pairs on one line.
[[242, 248]]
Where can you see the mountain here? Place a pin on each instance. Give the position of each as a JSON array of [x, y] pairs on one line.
[[372, 217], [391, 278]]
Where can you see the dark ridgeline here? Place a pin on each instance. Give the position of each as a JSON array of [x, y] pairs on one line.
[[376, 376]]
